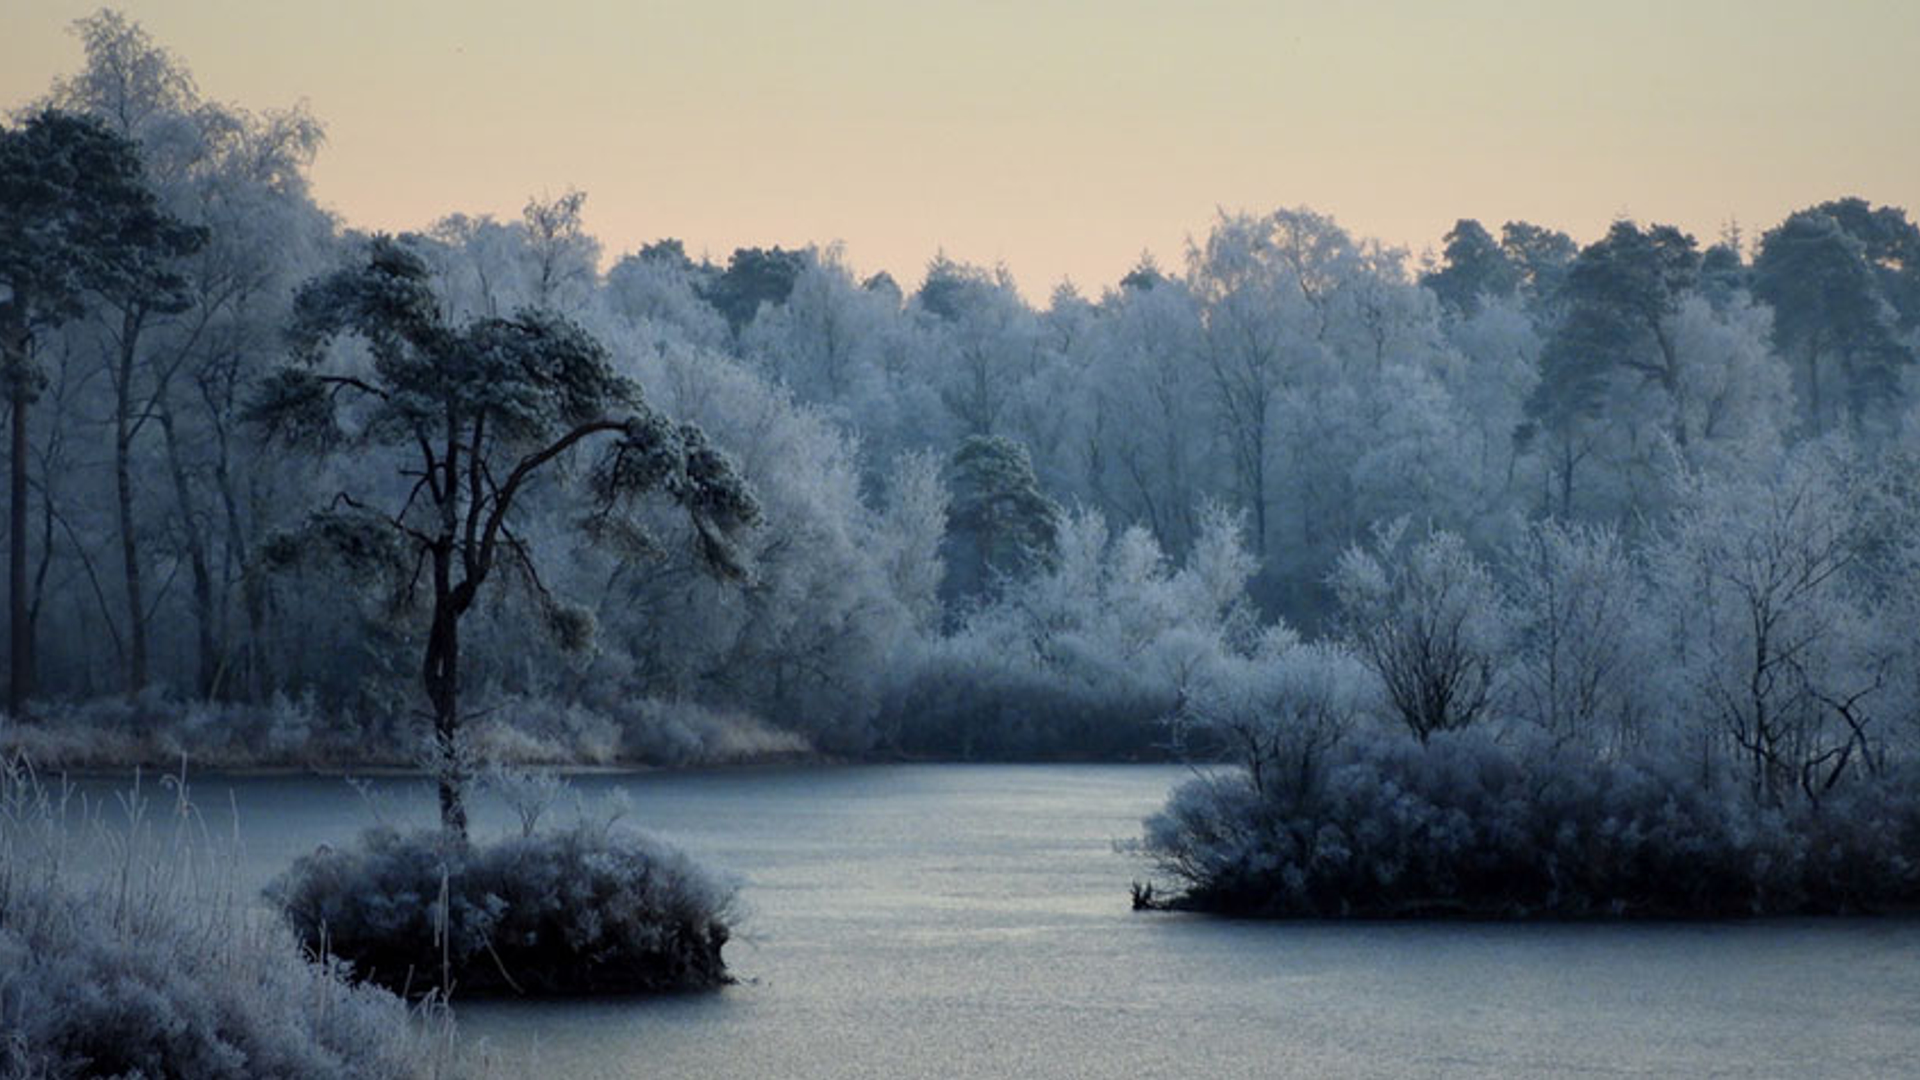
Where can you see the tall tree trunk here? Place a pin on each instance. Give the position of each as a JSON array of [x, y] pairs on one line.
[[441, 674], [1815, 407], [253, 599], [197, 562], [20, 628], [123, 429]]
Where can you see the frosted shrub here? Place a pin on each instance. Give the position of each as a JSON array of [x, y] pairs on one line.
[[156, 969], [1280, 711], [1776, 623], [155, 729], [542, 731], [962, 699], [528, 793], [1470, 825], [588, 909], [1431, 622], [674, 733], [1582, 653], [1088, 658]]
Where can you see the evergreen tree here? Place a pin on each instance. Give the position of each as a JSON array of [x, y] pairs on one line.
[[478, 412]]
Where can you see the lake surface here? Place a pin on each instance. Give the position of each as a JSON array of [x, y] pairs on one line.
[[973, 921]]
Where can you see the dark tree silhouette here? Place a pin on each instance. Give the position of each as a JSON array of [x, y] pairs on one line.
[[753, 276], [1000, 525], [1835, 275], [1617, 297], [1475, 267], [478, 411], [77, 221]]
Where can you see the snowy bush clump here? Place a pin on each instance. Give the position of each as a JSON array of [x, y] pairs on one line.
[[1472, 825], [962, 702], [1087, 658], [588, 909], [154, 729], [151, 969]]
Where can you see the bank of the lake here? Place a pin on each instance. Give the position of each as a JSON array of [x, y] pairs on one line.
[[972, 921]]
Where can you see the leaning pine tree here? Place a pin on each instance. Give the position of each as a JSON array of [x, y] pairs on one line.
[[476, 412]]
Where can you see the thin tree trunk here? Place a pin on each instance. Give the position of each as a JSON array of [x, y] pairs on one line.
[[441, 674], [123, 491], [197, 562], [252, 591], [20, 391]]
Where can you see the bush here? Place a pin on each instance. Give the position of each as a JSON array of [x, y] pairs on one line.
[[589, 909], [1086, 660], [150, 971], [157, 729], [1472, 826], [154, 729], [952, 705]]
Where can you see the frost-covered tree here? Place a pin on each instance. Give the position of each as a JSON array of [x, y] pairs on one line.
[[807, 641], [1583, 652], [477, 413], [980, 345], [910, 529], [1147, 437], [1430, 620], [1768, 616], [1279, 711], [1326, 371], [1264, 286], [841, 347], [1490, 373], [545, 260], [1093, 653], [176, 370], [658, 287]]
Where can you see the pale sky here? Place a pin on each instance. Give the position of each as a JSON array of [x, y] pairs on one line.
[[1062, 139]]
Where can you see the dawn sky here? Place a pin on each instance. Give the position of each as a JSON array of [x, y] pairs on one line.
[[1059, 138]]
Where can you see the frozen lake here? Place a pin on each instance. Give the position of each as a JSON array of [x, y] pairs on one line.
[[973, 921]]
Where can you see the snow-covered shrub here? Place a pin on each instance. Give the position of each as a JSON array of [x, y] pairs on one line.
[[529, 793], [604, 727], [1775, 623], [1279, 711], [158, 729], [1471, 825], [672, 733], [157, 969], [805, 641], [961, 699], [1431, 622], [1585, 659], [525, 730], [586, 909], [1086, 658]]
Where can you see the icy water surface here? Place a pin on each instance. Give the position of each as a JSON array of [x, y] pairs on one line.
[[972, 921]]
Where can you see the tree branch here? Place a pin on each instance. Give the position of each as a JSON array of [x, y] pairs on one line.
[[504, 496]]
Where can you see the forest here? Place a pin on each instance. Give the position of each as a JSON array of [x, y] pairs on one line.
[[1652, 492]]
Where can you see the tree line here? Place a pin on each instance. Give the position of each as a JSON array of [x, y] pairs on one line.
[[976, 525]]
